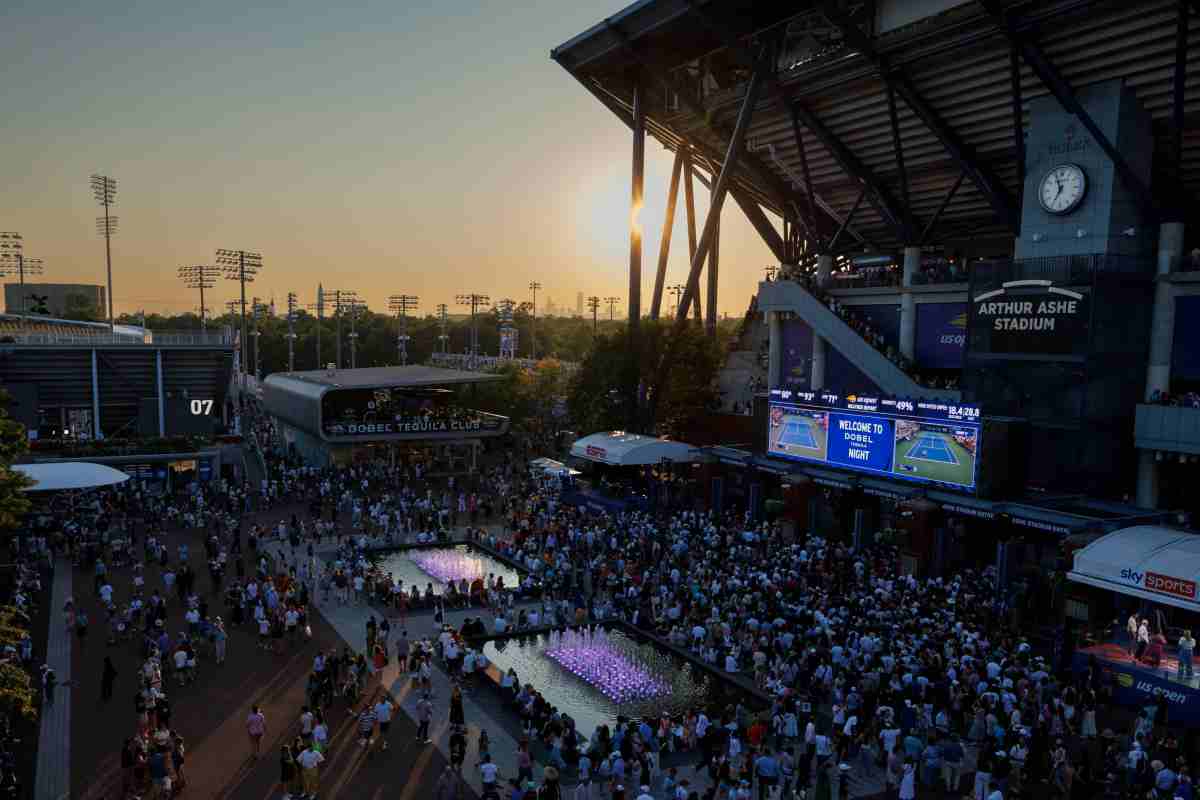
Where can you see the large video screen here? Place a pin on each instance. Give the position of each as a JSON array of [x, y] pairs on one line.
[[921, 441]]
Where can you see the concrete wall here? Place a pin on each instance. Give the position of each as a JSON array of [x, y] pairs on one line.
[[1108, 209]]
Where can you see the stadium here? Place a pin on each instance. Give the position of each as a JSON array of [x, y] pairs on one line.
[[923, 526]]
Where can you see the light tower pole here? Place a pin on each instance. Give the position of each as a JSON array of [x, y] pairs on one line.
[[402, 304], [444, 326], [473, 300], [676, 290], [533, 287], [355, 305], [341, 302], [504, 310], [240, 266], [593, 303], [104, 189], [259, 310], [291, 334], [319, 307], [612, 305], [14, 262], [200, 276]]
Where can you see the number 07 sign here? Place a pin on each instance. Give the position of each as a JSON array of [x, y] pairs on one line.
[[202, 408]]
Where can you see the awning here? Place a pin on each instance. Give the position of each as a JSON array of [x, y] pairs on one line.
[[548, 466], [70, 475], [1146, 561], [631, 449]]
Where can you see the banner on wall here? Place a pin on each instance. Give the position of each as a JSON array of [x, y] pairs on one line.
[[1185, 357], [796, 353], [884, 319], [1030, 316], [941, 335]]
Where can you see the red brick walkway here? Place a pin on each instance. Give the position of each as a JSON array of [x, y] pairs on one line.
[[210, 713]]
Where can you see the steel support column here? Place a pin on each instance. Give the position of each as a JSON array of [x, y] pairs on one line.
[[635, 209], [1018, 121], [941, 208], [664, 244], [720, 187], [759, 221], [877, 194], [898, 148], [1177, 108], [714, 260], [97, 432], [162, 421], [689, 200], [846, 222]]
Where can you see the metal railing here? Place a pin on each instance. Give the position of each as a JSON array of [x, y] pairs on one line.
[[471, 363], [160, 338], [1078, 269]]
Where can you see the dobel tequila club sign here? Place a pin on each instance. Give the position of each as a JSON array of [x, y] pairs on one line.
[[411, 425]]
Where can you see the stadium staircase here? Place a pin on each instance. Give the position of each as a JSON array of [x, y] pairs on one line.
[[790, 296], [745, 363]]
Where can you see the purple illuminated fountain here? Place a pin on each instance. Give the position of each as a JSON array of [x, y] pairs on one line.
[[589, 655], [449, 565]]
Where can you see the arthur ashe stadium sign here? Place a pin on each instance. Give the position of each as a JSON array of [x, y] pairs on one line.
[[1029, 316]]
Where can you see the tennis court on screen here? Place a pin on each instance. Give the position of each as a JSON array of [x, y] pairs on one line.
[[931, 447], [798, 434]]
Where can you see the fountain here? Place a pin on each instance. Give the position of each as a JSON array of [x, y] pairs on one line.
[[589, 655]]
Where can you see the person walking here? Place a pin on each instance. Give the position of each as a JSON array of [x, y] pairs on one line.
[[383, 713], [310, 775], [424, 717], [1187, 646], [256, 726], [107, 677]]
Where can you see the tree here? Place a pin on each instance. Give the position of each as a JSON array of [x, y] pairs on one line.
[[80, 307], [13, 442], [599, 397]]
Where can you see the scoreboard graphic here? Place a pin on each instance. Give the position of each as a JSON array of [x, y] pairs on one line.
[[924, 442]]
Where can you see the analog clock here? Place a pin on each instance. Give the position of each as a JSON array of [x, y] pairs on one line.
[[1063, 188]]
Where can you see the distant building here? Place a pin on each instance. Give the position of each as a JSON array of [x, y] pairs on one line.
[[60, 299], [551, 307], [579, 304]]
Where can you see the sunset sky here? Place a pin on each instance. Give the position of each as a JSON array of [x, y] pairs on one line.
[[384, 147]]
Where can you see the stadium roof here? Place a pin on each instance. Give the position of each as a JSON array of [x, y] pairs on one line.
[[414, 375], [902, 110]]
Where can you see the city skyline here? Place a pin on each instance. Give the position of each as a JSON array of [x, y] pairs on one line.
[[328, 142]]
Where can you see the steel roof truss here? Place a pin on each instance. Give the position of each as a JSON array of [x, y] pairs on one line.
[[986, 181], [1062, 90]]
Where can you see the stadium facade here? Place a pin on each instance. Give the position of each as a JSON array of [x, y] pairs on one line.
[[978, 210], [148, 402]]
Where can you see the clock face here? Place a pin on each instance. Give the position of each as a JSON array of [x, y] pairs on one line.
[[1063, 188]]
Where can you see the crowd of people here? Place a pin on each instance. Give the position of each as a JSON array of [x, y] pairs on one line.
[[851, 669]]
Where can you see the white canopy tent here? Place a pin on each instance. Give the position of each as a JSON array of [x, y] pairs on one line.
[[631, 449], [69, 475], [1153, 563], [548, 466]]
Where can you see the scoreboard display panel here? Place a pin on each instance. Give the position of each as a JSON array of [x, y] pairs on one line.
[[920, 441]]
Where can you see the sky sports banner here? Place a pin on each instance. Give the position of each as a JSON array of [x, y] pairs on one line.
[[1030, 316], [914, 440], [941, 335]]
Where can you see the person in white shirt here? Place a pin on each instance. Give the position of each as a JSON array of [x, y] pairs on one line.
[[383, 713], [310, 760]]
